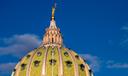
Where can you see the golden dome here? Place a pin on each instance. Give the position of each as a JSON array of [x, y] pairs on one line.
[[51, 58]]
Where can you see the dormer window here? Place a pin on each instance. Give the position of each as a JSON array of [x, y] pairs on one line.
[[68, 63], [39, 53], [84, 60], [90, 71], [14, 70], [36, 63], [76, 56], [23, 66], [82, 67], [66, 54], [52, 62], [28, 56]]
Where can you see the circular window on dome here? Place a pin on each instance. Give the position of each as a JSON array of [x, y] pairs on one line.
[[90, 71], [82, 67], [23, 66], [14, 70], [28, 56], [84, 60], [39, 53], [77, 56], [52, 61], [66, 54], [68, 63], [36, 63]]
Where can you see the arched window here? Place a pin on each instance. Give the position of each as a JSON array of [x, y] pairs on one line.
[[52, 40]]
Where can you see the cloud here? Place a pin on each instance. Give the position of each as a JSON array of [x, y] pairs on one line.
[[17, 45], [6, 68], [125, 28], [124, 41], [94, 61], [118, 65]]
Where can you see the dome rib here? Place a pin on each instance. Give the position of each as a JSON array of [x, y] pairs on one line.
[[80, 61], [36, 64], [29, 64], [60, 63], [86, 67], [44, 62], [24, 64], [74, 62], [17, 71]]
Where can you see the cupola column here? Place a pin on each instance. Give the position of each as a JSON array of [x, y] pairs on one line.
[[52, 36]]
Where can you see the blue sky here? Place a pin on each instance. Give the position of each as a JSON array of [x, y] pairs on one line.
[[96, 29]]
